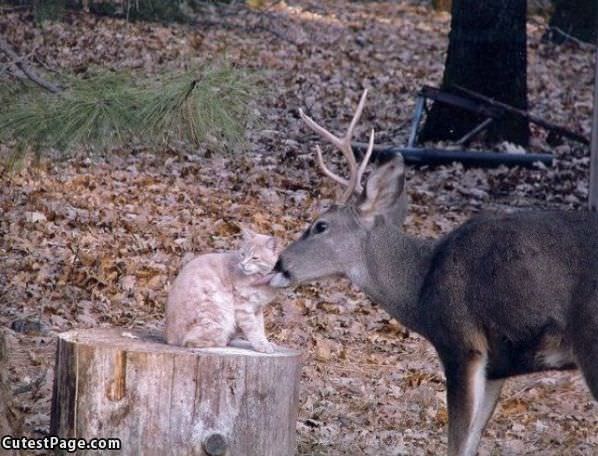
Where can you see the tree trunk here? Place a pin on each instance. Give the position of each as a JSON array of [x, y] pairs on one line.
[[576, 18], [487, 54], [593, 196], [9, 422], [160, 399]]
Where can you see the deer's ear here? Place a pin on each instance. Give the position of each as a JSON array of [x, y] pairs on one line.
[[385, 193]]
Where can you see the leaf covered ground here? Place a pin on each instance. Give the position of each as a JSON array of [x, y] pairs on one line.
[[96, 239]]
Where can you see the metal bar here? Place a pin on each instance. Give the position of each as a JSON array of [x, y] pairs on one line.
[[562, 131], [435, 157], [419, 109], [594, 145], [475, 131], [452, 99]]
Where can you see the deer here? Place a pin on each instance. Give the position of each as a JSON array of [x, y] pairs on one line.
[[504, 294]]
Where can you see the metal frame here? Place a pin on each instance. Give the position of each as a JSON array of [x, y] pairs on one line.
[[491, 111]]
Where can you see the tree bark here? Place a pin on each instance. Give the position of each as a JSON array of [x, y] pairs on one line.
[[593, 196], [160, 399], [574, 18], [487, 54]]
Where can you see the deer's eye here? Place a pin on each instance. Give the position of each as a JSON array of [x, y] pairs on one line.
[[320, 227]]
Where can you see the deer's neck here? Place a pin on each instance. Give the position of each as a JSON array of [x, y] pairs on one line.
[[396, 266]]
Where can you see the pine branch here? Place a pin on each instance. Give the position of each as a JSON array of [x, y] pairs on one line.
[[27, 71], [208, 106]]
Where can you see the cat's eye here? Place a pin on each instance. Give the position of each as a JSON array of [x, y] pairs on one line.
[[320, 227]]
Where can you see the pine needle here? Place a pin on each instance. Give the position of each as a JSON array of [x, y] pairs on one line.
[[198, 107], [109, 109]]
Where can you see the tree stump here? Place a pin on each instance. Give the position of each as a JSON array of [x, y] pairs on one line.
[[9, 421], [160, 399]]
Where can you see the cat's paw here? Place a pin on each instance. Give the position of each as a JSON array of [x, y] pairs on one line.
[[240, 343], [192, 343], [264, 347]]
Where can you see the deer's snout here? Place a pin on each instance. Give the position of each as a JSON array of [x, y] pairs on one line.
[[279, 267], [281, 278]]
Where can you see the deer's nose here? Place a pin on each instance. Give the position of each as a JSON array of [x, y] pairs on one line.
[[278, 266]]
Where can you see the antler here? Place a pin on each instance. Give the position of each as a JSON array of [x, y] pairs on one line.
[[353, 184]]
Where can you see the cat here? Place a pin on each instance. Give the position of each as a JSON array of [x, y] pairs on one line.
[[218, 296]]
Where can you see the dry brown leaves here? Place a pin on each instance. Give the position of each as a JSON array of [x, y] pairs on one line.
[[96, 241]]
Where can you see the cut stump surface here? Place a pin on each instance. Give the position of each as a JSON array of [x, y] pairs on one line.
[[167, 400]]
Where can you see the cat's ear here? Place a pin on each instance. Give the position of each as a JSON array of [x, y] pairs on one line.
[[272, 243]]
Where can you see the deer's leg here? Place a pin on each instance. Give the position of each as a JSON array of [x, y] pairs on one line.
[[491, 395], [583, 332], [252, 326], [589, 367], [471, 401]]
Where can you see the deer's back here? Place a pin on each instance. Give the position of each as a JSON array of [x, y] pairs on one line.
[[512, 276]]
